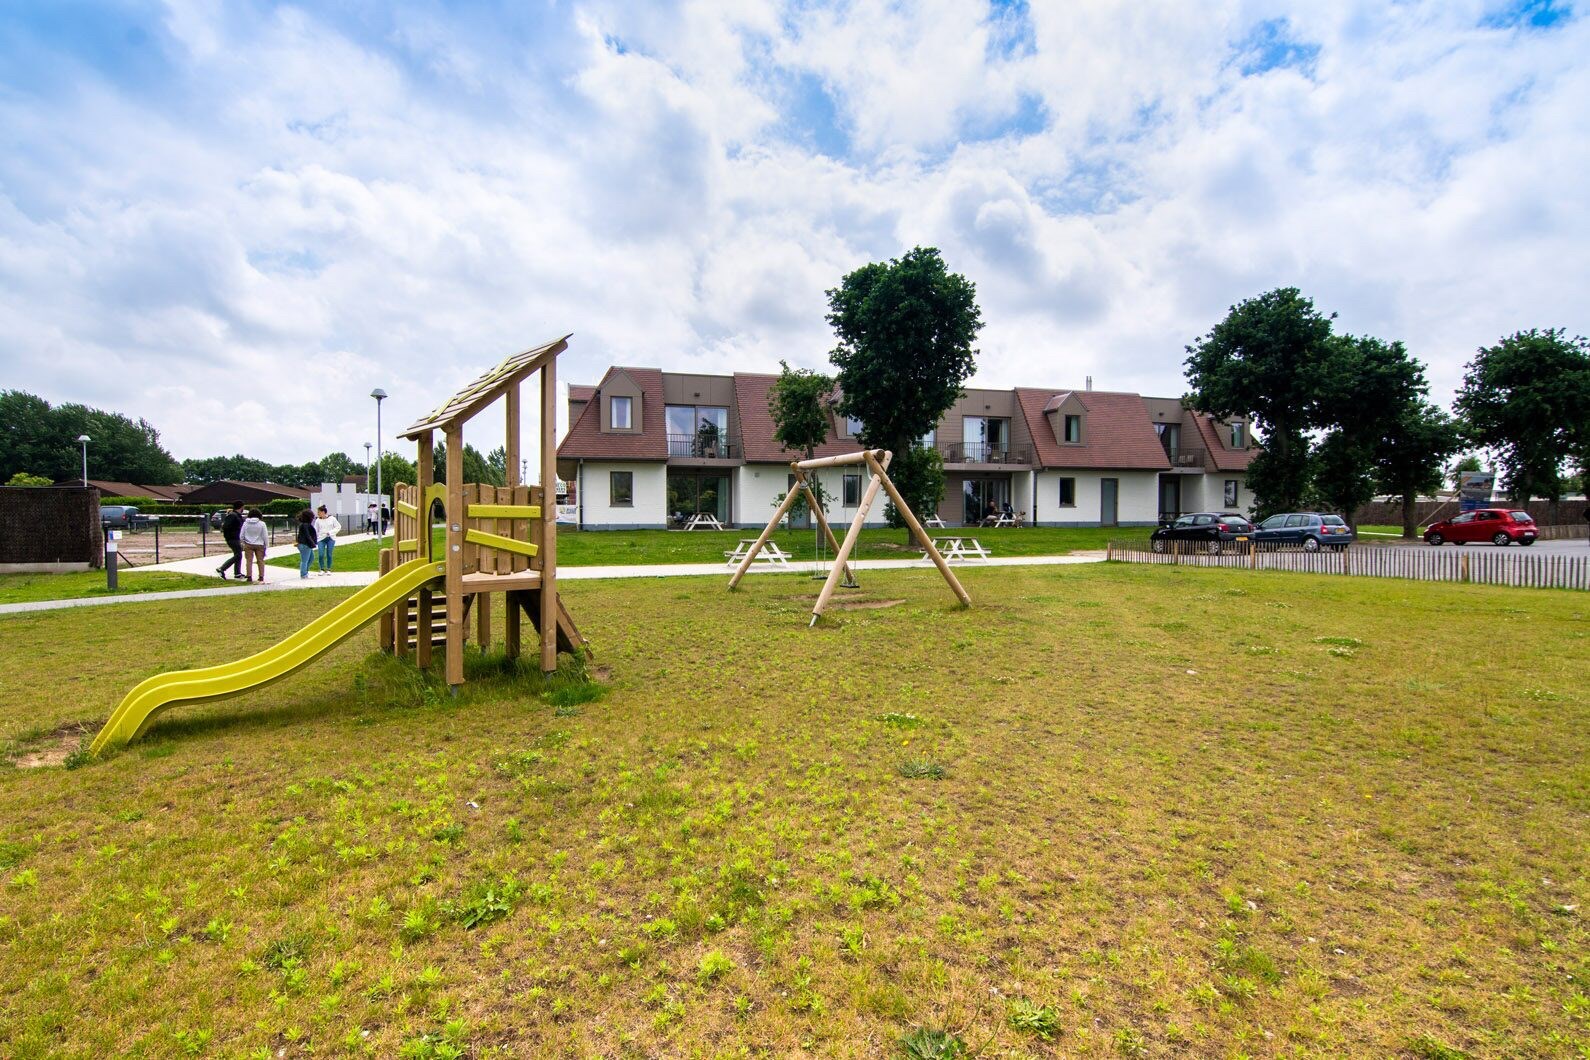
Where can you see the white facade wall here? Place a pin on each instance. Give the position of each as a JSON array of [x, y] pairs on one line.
[[1214, 493], [758, 486], [1136, 502], [650, 493], [345, 501]]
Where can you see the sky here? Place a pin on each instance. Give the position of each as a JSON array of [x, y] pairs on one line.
[[236, 219]]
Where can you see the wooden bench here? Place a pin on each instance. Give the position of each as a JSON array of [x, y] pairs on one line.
[[703, 521], [770, 553]]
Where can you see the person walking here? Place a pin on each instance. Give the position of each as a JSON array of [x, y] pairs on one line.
[[231, 527], [253, 537], [371, 514], [306, 541], [326, 530]]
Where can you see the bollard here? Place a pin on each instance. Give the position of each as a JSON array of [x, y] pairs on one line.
[[111, 537]]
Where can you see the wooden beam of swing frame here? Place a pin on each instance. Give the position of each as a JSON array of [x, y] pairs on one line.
[[858, 457], [842, 557]]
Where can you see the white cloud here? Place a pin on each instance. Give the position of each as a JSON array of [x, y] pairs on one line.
[[294, 209]]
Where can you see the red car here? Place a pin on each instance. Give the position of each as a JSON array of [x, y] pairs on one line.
[[1499, 526]]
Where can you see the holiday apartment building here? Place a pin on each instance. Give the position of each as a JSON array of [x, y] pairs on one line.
[[647, 448]]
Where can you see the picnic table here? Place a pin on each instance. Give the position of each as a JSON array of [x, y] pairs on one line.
[[959, 548], [703, 521], [933, 520], [999, 520], [770, 553]]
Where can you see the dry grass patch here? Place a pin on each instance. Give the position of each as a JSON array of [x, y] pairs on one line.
[[1148, 838]]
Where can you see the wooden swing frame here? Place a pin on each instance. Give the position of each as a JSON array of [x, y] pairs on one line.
[[877, 461]]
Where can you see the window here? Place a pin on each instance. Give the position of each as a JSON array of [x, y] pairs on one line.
[[1238, 439], [697, 430], [1466, 517], [1274, 522], [1294, 521], [1068, 493], [1204, 520], [852, 426], [621, 417], [852, 491], [1231, 493], [621, 486], [929, 440], [984, 439], [1073, 428]]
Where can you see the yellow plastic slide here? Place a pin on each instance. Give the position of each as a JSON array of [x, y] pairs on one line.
[[229, 679]]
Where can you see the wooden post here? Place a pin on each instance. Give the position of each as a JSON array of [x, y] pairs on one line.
[[549, 516], [840, 558], [387, 623], [455, 555], [512, 445], [425, 608], [880, 470], [767, 532], [817, 510]]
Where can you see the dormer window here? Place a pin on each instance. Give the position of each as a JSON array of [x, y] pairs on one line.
[[622, 413], [1073, 429], [852, 427], [1238, 436]]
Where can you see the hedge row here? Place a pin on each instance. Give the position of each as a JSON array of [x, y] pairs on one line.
[[150, 506]]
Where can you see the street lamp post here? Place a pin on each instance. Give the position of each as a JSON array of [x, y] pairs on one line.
[[84, 439], [380, 493]]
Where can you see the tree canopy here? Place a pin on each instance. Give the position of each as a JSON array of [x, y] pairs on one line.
[[1408, 461], [41, 439], [906, 330], [800, 404], [1527, 399]]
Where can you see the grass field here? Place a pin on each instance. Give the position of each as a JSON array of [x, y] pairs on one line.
[[24, 588], [1110, 810], [622, 547]]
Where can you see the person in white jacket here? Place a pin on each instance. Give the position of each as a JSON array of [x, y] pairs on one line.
[[326, 530], [253, 537]]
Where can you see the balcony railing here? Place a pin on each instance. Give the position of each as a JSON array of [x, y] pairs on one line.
[[1186, 456], [704, 446], [985, 453]]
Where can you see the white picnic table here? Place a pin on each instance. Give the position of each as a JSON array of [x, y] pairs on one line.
[[933, 520], [703, 521], [999, 520], [958, 548], [769, 553]]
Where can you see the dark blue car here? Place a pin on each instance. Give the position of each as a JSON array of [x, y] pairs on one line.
[[1309, 531]]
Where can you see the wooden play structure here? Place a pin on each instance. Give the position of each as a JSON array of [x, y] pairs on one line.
[[498, 539], [877, 462]]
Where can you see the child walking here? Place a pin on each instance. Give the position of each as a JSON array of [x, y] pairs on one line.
[[326, 530], [306, 541], [253, 537]]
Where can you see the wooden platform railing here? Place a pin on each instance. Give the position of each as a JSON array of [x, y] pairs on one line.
[[1474, 564]]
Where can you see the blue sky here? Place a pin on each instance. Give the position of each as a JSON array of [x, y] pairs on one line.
[[234, 219]]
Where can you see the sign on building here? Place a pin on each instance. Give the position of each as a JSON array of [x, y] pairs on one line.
[[1475, 489]]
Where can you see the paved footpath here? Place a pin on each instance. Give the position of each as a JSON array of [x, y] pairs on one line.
[[286, 580]]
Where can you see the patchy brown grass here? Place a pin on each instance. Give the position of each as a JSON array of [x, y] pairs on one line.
[[1141, 810]]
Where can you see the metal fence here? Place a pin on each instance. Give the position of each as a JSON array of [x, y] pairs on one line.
[[1513, 567]]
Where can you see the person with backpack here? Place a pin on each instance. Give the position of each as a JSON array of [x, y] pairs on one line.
[[326, 530], [254, 536], [231, 527]]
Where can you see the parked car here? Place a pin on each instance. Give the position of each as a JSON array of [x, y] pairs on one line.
[[118, 516], [1213, 531], [1499, 526], [1309, 531]]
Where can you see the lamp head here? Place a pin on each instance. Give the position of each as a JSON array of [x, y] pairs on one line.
[[378, 393], [84, 438]]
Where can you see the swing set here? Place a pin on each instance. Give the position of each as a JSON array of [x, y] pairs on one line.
[[877, 462]]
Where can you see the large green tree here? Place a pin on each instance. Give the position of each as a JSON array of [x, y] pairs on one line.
[[1527, 399], [801, 404], [1366, 390], [1408, 461], [1267, 360], [906, 330], [41, 439]]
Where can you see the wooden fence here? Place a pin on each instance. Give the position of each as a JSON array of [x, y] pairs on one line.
[[1477, 565]]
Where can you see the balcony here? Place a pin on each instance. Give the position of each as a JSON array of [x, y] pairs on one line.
[[985, 453], [1187, 457], [704, 446]]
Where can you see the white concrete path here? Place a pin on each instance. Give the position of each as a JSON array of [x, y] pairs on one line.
[[289, 579]]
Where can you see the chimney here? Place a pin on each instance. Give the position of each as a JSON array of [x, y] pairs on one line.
[[1090, 383]]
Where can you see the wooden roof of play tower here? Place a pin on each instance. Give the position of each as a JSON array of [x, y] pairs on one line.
[[459, 408]]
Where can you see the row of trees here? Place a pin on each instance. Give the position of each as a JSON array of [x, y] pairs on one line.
[[1345, 417], [38, 445]]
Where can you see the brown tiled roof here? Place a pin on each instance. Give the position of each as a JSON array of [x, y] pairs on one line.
[[1224, 459], [586, 439], [129, 489], [581, 392], [756, 424], [1118, 433]]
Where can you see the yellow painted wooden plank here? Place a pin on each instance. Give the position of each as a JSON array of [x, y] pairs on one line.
[[410, 545], [507, 544], [407, 509], [505, 511]]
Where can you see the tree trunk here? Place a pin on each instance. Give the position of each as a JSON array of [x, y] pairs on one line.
[[1409, 523]]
